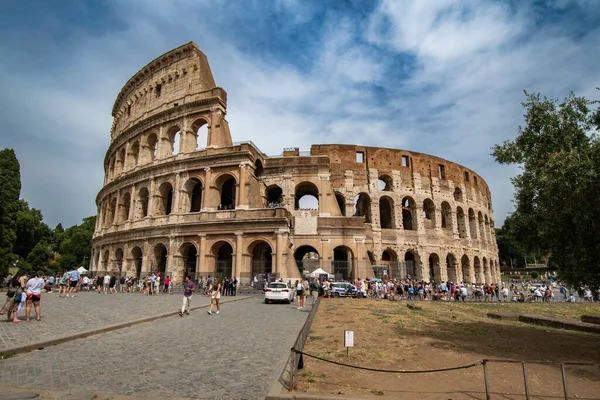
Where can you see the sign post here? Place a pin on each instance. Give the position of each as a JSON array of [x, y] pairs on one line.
[[348, 341]]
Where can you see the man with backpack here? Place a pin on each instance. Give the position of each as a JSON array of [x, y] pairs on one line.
[[314, 289]]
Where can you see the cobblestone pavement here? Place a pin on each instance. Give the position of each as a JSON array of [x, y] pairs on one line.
[[237, 353], [86, 311]]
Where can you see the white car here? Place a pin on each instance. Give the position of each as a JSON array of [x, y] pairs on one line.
[[278, 291]]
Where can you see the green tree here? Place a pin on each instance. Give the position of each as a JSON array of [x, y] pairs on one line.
[[557, 192], [30, 229], [39, 257], [10, 190], [76, 243]]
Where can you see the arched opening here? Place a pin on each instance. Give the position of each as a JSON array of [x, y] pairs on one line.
[[307, 259], [119, 261], [341, 202], [113, 210], [124, 207], [446, 216], [435, 273], [488, 229], [190, 257], [274, 197], [362, 207], [200, 128], [451, 268], [461, 224], [166, 199], [428, 214], [410, 265], [223, 253], [481, 227], [472, 224], [258, 169], [121, 161], [160, 259], [105, 261], [458, 194], [262, 261], [135, 155], [466, 269], [111, 171], [386, 213], [176, 144], [408, 213], [385, 183], [486, 271], [306, 196], [342, 263], [390, 259], [479, 278], [226, 183], [136, 256], [152, 146], [193, 187], [141, 205]]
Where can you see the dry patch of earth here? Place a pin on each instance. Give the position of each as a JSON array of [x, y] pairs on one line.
[[390, 336]]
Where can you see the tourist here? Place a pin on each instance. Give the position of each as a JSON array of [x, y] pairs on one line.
[[463, 292], [85, 283], [587, 295], [167, 288], [157, 285], [73, 282], [188, 290], [234, 284], [14, 296], [215, 296], [314, 290], [151, 281], [299, 294], [504, 293], [63, 284], [106, 282], [34, 293], [112, 283]]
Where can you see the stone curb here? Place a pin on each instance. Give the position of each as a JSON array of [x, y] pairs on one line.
[[591, 319], [84, 334]]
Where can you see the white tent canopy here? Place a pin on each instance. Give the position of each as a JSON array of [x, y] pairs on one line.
[[317, 272], [82, 270]]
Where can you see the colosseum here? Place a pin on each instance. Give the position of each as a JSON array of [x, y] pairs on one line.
[[179, 197]]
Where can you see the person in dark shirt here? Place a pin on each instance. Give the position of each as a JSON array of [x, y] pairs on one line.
[[111, 284], [188, 290]]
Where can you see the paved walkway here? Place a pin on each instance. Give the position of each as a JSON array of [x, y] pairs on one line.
[[237, 353]]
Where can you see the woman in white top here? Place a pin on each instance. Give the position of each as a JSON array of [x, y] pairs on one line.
[[34, 293]]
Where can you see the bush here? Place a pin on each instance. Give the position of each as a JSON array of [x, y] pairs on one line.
[[534, 275]]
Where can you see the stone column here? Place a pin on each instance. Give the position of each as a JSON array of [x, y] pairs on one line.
[[206, 189], [242, 187], [151, 197], [176, 195], [237, 267], [278, 253], [131, 215], [201, 262]]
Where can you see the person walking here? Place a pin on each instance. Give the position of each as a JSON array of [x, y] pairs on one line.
[[157, 285], [13, 303], [167, 288], [63, 283], [106, 282], [215, 296], [112, 283], [34, 293], [73, 282], [314, 290], [188, 290]]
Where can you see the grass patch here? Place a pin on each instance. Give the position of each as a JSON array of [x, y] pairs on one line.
[[313, 338]]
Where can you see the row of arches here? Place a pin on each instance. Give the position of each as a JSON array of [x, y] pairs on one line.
[[157, 145]]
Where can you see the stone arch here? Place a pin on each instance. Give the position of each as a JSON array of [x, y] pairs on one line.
[[165, 199], [113, 211], [274, 196], [446, 215], [411, 264], [227, 190], [262, 258], [258, 169], [466, 268], [306, 194], [488, 228], [435, 269], [124, 206], [159, 264], [341, 202], [472, 224], [120, 161], [342, 263], [390, 258], [142, 202], [409, 209], [135, 154], [137, 257], [458, 195], [429, 214], [174, 139], [362, 206], [451, 268], [307, 259], [385, 183], [194, 189], [119, 261], [111, 172], [189, 254], [479, 278], [386, 213], [223, 254], [200, 130], [105, 260], [460, 222], [152, 147]]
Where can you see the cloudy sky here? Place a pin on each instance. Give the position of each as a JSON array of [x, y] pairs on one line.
[[441, 77]]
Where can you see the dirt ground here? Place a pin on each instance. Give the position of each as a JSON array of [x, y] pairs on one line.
[[388, 335]]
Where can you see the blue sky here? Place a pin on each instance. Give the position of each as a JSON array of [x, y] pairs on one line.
[[441, 77]]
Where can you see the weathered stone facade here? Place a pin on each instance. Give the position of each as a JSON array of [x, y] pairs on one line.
[[168, 204]]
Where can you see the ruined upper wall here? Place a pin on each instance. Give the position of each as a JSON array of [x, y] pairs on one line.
[[179, 76]]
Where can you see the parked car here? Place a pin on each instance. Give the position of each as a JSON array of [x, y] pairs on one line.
[[278, 291], [539, 286], [344, 289]]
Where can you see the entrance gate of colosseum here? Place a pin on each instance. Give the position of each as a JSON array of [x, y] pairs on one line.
[[307, 259]]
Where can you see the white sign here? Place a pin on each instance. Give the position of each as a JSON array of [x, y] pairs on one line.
[[348, 338]]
